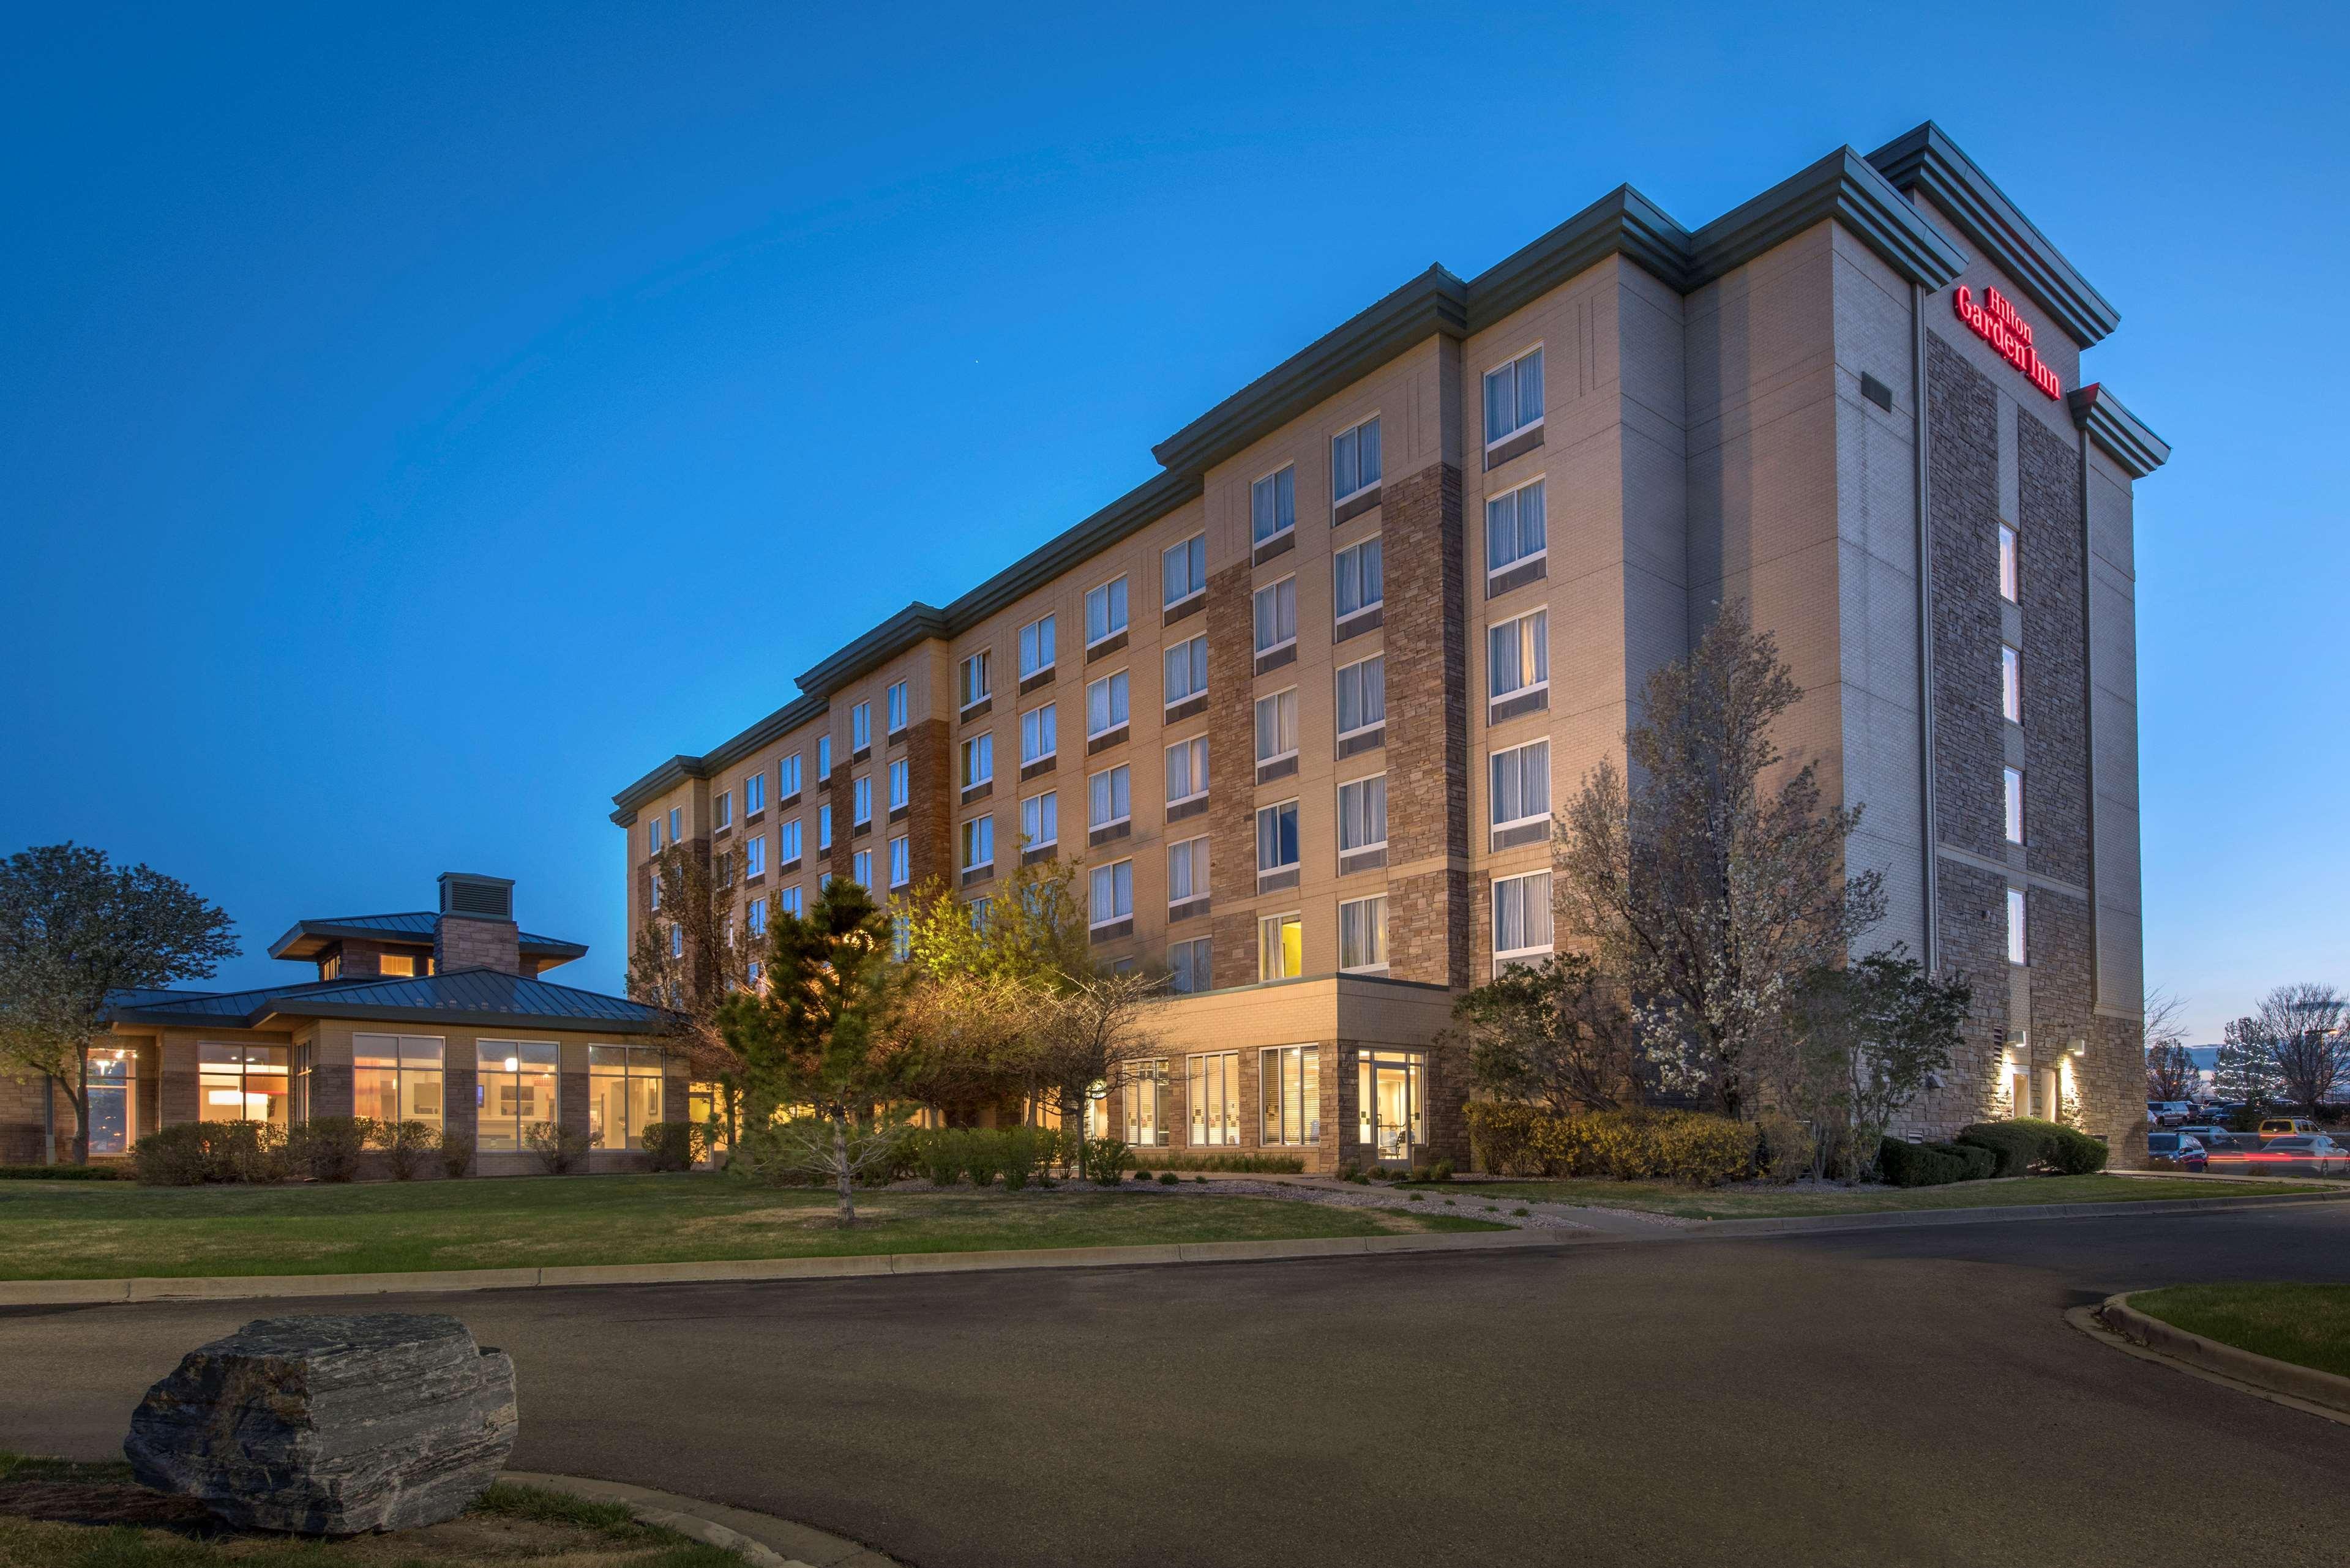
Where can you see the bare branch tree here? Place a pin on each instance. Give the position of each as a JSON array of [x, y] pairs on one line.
[[688, 956], [2302, 1024]]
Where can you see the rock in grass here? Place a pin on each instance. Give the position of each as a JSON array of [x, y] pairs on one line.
[[330, 1425]]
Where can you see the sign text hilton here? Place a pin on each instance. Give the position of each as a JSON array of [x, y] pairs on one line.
[[1996, 323]]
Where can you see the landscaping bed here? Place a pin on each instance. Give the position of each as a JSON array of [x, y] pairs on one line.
[[1772, 1201], [2308, 1326], [112, 1231]]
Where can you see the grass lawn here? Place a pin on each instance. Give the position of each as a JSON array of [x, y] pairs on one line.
[[2308, 1324], [1756, 1201], [104, 1230], [56, 1515]]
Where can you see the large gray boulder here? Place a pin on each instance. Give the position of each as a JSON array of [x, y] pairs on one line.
[[330, 1425]]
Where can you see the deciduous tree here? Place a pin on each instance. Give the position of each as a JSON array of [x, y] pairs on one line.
[[1869, 1035], [2302, 1026], [689, 958], [1559, 1035]]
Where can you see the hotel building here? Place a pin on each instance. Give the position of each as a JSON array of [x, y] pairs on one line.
[[1302, 703]]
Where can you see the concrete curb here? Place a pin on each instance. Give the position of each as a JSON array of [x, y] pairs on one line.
[[97, 1293], [1897, 1219], [764, 1539], [2304, 1388]]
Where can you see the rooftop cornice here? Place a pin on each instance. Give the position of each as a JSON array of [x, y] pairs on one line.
[[682, 768], [1926, 160], [1622, 223], [2112, 427], [1843, 186]]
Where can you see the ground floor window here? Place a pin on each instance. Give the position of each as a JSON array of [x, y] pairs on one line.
[[1214, 1092], [1143, 1099], [396, 1077], [1391, 1110], [1290, 1083], [113, 1100], [624, 1094], [241, 1082], [707, 1104], [516, 1091]]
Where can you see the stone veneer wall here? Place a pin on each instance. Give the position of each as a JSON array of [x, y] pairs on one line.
[[1231, 777], [1428, 918], [930, 786], [461, 941]]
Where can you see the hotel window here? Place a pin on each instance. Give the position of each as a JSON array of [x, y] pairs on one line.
[[1291, 1078], [1191, 966], [860, 868], [901, 784], [754, 968], [1516, 529], [1363, 934], [653, 891], [2010, 573], [677, 941], [1513, 397], [113, 1100], [1518, 656], [1280, 946], [1276, 838], [1040, 733], [823, 879], [676, 818], [787, 902], [1187, 870], [1109, 797], [895, 698], [787, 841], [1362, 696], [1105, 704], [788, 770], [1358, 580], [1035, 647], [860, 795], [1183, 570], [404, 965], [1273, 506], [755, 792], [979, 908], [1143, 1098], [978, 682], [1187, 671], [1363, 815], [1276, 616], [1187, 771], [723, 808], [824, 826], [901, 861], [1276, 726], [755, 853], [2014, 793], [624, 1094], [513, 1092], [823, 758], [654, 836], [1522, 920], [241, 1083], [396, 1077], [1040, 821], [1355, 460], [978, 843], [2010, 685], [2017, 951], [756, 919], [979, 759], [1520, 786], [1104, 611], [1113, 894], [861, 727], [1214, 1097]]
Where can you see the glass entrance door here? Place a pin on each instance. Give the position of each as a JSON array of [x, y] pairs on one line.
[[1391, 1114]]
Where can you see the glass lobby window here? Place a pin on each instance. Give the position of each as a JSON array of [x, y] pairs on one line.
[[1109, 797], [1040, 820], [1143, 1099], [1113, 893], [1191, 963], [1391, 1112], [2014, 796], [1276, 615], [1363, 934], [978, 680], [901, 784], [1187, 771], [2017, 951], [624, 1094], [1276, 838], [860, 726], [113, 1100], [1518, 655], [1184, 569], [2010, 685], [1276, 726], [1514, 528], [895, 699], [1040, 733], [1187, 671], [1105, 704], [1104, 611], [396, 1077], [1187, 870], [1355, 460], [1522, 920], [1363, 815], [1363, 696], [1035, 647], [514, 1093], [1291, 1079], [1280, 946], [243, 1083], [1273, 506], [1513, 397], [1358, 580], [1213, 1082], [2009, 576]]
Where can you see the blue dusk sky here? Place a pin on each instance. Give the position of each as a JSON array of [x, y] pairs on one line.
[[418, 421]]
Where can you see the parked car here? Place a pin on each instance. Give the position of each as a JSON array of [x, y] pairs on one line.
[[2286, 1127], [2176, 1151], [2170, 1113], [2214, 1139], [2308, 1154]]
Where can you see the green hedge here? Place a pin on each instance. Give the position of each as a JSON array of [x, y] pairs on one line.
[[1271, 1164], [64, 1173], [2027, 1146], [1629, 1146], [1906, 1163]]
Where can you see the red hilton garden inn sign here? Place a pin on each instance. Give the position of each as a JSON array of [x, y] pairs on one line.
[[1996, 323]]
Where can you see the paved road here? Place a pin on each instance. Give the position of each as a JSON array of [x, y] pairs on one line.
[[1889, 1398]]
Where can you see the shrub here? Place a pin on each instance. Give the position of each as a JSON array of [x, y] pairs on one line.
[[1107, 1159], [673, 1146], [1200, 1179], [1786, 1148], [1020, 1153], [1273, 1164], [1419, 1173], [1142, 1176], [65, 1173], [192, 1153], [1169, 1179], [941, 1156], [172, 1157], [405, 1145], [980, 1157], [1348, 1170], [1907, 1164], [558, 1148], [2026, 1144], [456, 1154], [1441, 1171], [327, 1149], [1629, 1145], [1980, 1161]]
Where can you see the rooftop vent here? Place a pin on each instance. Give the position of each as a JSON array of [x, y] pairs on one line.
[[476, 898]]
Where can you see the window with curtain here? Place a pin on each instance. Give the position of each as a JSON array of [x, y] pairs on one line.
[[1358, 581], [1276, 726], [1280, 946], [1522, 920], [789, 768], [1291, 1079], [1187, 870], [979, 759], [861, 800], [1273, 506], [1355, 460], [1104, 611], [824, 826], [755, 792], [515, 1091], [1187, 770], [1040, 821], [1184, 569], [1363, 814], [1521, 784], [977, 682], [1190, 966], [1040, 733], [860, 726], [1276, 615], [896, 706], [1212, 1086], [2018, 951], [1276, 837], [1105, 704], [2010, 685], [860, 868], [624, 1094], [1109, 797], [1518, 655], [788, 840], [1143, 1102], [901, 784], [1514, 397], [2014, 797], [1187, 671], [2010, 571], [1113, 893], [901, 862], [978, 843], [1515, 527], [1362, 696], [1035, 647], [1363, 934]]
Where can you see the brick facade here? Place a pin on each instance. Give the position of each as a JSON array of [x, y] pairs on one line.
[[1428, 728]]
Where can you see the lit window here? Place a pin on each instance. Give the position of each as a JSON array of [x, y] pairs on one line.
[[901, 862], [1355, 460], [1362, 696], [1276, 726], [1516, 529], [1363, 815], [1143, 1100], [2010, 579], [1215, 1077], [1187, 870], [1513, 397], [514, 1093], [624, 1094], [861, 727], [790, 770], [1105, 704], [1187, 671], [1363, 934], [1357, 579], [1187, 771], [241, 1082], [787, 841], [1104, 611], [978, 843], [1520, 785], [1522, 920], [979, 759], [2015, 794], [1273, 506], [2010, 685], [1192, 966], [1183, 570], [2017, 951], [1109, 797], [1113, 893], [895, 699], [754, 853], [1040, 820], [901, 784], [1276, 616], [723, 809], [1518, 655], [1280, 946], [754, 794], [396, 1077], [978, 682], [1291, 1078], [1035, 647], [1276, 838], [861, 792], [1039, 733]]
